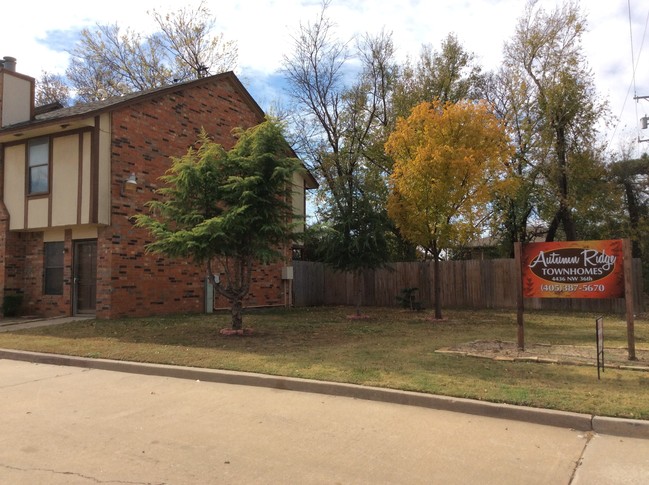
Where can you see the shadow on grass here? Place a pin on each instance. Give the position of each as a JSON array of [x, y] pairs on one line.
[[275, 331], [300, 330]]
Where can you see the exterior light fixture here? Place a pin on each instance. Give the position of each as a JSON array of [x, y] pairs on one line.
[[129, 185]]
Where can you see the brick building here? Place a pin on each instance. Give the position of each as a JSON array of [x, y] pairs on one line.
[[71, 178]]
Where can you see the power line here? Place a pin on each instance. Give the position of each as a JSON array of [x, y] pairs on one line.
[[634, 66], [632, 84]]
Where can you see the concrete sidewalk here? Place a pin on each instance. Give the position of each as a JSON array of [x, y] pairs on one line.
[[20, 323], [76, 425], [583, 422]]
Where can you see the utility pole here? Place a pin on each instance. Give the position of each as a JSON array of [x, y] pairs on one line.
[[644, 121]]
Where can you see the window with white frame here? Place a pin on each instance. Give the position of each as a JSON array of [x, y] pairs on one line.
[[38, 162]]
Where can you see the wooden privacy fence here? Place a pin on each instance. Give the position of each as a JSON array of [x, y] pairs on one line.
[[465, 284]]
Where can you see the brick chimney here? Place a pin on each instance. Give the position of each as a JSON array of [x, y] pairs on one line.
[[16, 94]]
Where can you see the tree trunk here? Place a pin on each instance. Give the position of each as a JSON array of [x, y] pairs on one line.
[[564, 215], [236, 311], [236, 287], [358, 281], [438, 286], [568, 224], [634, 218], [552, 229]]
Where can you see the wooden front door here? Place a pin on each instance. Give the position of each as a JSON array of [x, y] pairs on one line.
[[85, 277]]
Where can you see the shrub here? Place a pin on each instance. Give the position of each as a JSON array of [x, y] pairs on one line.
[[407, 299], [11, 305]]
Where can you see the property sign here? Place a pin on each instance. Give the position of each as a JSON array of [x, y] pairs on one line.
[[573, 269]]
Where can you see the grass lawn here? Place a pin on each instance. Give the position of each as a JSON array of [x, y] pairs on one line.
[[392, 348]]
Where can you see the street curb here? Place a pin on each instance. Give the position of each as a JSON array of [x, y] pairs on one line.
[[628, 428], [578, 421]]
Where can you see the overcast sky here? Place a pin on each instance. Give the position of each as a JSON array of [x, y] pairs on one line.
[[39, 33]]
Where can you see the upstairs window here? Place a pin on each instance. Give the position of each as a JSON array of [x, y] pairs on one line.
[[39, 164], [53, 264]]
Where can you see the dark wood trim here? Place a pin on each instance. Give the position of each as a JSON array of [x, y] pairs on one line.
[[26, 188], [79, 132], [19, 75], [76, 131], [51, 135], [32, 97], [94, 172], [50, 177], [3, 180], [80, 178], [17, 142]]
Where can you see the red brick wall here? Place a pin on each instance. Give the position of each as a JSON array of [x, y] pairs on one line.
[[145, 136], [35, 302], [266, 289], [12, 255], [129, 281], [23, 262]]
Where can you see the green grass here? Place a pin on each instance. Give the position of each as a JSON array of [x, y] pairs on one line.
[[394, 348]]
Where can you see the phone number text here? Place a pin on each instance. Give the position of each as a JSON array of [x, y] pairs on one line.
[[571, 288]]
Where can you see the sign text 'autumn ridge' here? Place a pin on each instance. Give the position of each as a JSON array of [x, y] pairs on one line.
[[574, 269]]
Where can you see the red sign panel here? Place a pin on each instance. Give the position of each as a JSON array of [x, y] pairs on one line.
[[573, 269]]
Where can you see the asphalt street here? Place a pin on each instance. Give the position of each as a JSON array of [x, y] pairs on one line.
[[75, 425]]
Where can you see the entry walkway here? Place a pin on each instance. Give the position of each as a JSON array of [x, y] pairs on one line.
[[19, 323], [72, 425]]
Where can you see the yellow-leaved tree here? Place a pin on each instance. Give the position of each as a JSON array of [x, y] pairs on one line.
[[449, 161]]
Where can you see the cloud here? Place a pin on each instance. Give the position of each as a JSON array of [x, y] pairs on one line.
[[263, 31], [59, 40]]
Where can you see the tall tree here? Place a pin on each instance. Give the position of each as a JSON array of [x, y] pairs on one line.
[[546, 54], [109, 61], [51, 88], [337, 123], [450, 74], [450, 160], [188, 37], [513, 102], [227, 209]]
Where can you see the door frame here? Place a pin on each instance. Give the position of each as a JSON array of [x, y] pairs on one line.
[[75, 277]]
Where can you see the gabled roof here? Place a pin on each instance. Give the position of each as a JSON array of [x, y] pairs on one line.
[[83, 110], [55, 114]]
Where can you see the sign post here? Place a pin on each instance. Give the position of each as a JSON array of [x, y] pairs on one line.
[[520, 301], [599, 335], [628, 296]]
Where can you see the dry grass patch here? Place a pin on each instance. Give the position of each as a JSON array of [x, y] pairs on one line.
[[392, 348]]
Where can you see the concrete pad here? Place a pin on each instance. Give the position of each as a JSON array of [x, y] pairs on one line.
[[75, 425], [612, 460]]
